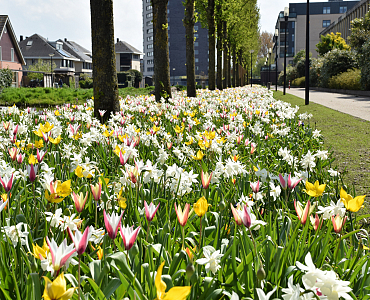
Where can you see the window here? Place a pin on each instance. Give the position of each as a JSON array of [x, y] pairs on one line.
[[195, 27], [197, 68], [1, 54], [147, 1], [58, 46], [12, 54], [342, 9], [149, 61], [149, 15], [149, 53], [293, 24], [136, 56], [196, 51], [196, 44], [326, 10], [325, 23], [29, 43], [149, 7], [150, 30], [195, 35], [150, 46], [197, 60], [150, 69], [149, 23]]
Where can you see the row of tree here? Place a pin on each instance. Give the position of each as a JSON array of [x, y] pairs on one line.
[[232, 23]]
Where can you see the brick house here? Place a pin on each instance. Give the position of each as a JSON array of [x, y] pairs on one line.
[[10, 54]]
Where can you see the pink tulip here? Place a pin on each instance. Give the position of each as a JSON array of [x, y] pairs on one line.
[[150, 211], [129, 235], [59, 254], [182, 215], [237, 218], [81, 240], [123, 159], [32, 172], [7, 183], [80, 201], [40, 155], [13, 153], [19, 158], [206, 179], [255, 186], [112, 223], [302, 213], [292, 182], [15, 130], [96, 191], [338, 223]]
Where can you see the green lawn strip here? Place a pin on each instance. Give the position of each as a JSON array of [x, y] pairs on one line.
[[44, 97], [347, 136]]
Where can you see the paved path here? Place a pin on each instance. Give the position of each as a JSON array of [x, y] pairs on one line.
[[357, 106]]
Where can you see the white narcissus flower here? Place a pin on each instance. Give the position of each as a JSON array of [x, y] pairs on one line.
[[262, 296], [212, 259]]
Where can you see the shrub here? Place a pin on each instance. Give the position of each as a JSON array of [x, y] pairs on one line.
[[6, 78], [291, 74], [349, 80], [315, 71], [364, 56], [300, 82], [336, 62], [301, 67]]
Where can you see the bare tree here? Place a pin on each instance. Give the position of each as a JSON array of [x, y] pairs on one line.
[[266, 42], [104, 58]]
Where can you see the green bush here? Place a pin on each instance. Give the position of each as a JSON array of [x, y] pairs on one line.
[[300, 82], [364, 56], [291, 74], [315, 71], [336, 62], [349, 80], [6, 78]]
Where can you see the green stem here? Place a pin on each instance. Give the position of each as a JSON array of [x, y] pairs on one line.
[[200, 234], [79, 277]]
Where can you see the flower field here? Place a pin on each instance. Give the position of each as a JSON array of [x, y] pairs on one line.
[[229, 195]]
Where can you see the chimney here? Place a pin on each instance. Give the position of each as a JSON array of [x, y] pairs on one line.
[[21, 38], [117, 40], [65, 39]]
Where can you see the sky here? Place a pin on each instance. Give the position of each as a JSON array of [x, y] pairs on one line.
[[59, 19]]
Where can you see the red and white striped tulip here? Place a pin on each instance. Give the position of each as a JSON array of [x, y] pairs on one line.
[[302, 213], [80, 240], [182, 215], [80, 201], [338, 222], [129, 235], [7, 182], [96, 191], [40, 155], [112, 223], [150, 210], [206, 179]]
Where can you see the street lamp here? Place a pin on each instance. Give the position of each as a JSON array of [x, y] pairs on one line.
[[251, 52], [276, 56], [269, 62], [51, 67], [173, 75], [286, 16], [307, 73], [265, 64]]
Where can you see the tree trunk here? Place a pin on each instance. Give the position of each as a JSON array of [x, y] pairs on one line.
[[225, 75], [229, 66], [211, 44], [189, 22], [219, 48], [161, 54], [235, 67], [103, 59]]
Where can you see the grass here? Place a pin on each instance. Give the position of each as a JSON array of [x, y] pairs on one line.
[[347, 136], [51, 96]]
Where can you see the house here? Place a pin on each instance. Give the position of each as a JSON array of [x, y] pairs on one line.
[[70, 58], [127, 57], [10, 54]]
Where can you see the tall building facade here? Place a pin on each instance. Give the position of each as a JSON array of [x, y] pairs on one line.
[[322, 14], [176, 43]]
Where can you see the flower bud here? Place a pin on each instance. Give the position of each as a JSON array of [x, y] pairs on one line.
[[222, 205], [261, 274], [190, 270]]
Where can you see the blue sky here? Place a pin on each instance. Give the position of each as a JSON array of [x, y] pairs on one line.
[[54, 19]]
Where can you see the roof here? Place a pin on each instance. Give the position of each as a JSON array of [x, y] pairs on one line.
[[77, 50], [37, 46], [123, 47], [4, 20]]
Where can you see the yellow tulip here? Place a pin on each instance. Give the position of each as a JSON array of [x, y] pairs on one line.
[[39, 144], [56, 290], [78, 171], [314, 190], [37, 250], [32, 160], [201, 206], [46, 128], [55, 141], [351, 204], [38, 132], [199, 155], [175, 293], [108, 134], [64, 189]]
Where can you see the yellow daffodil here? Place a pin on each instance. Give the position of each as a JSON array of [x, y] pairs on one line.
[[201, 206], [175, 293], [32, 160], [55, 141], [56, 290], [314, 190], [39, 144], [351, 204], [46, 128], [199, 155]]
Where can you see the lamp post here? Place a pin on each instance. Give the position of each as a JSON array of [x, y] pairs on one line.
[[174, 69], [51, 67], [276, 56], [251, 52], [286, 16], [265, 64], [269, 62], [307, 73]]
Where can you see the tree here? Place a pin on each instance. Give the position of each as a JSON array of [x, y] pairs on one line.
[[266, 42], [6, 78], [360, 32], [137, 75], [104, 59], [189, 22], [161, 55], [331, 41], [42, 66]]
